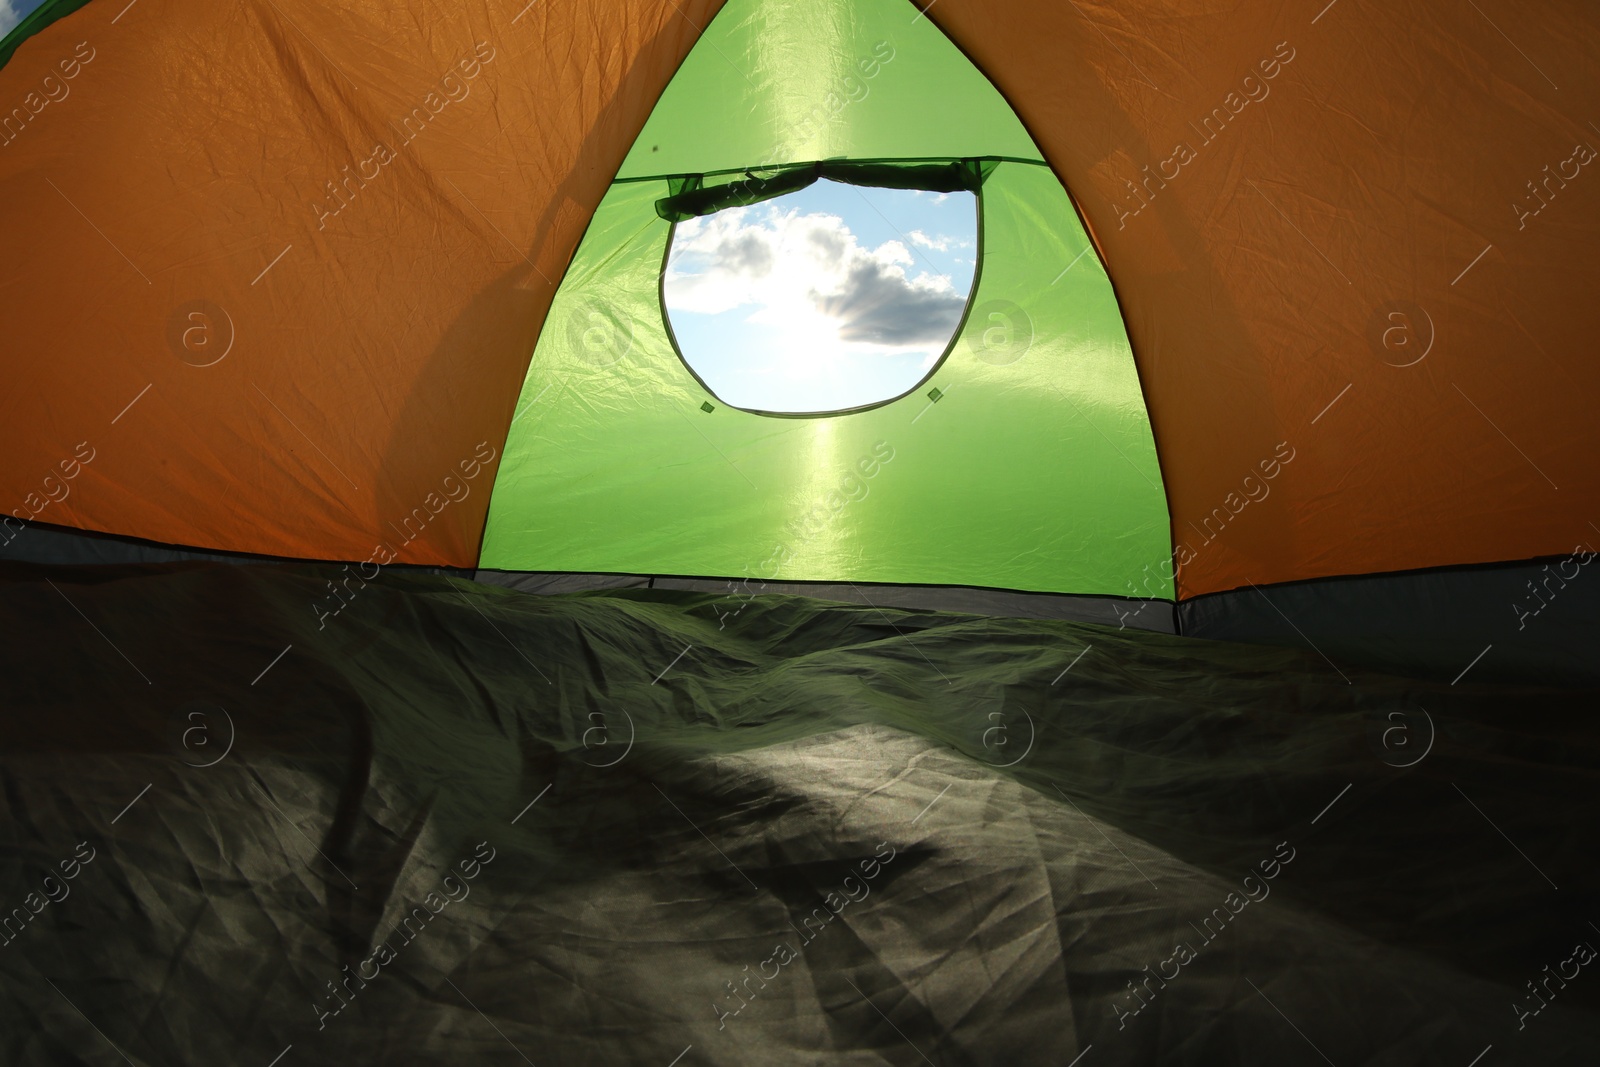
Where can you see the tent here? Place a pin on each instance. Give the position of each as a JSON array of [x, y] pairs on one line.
[[1258, 462]]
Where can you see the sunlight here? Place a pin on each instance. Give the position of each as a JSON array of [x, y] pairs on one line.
[[832, 298]]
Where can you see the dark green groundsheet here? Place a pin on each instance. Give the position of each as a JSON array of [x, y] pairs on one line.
[[771, 758]]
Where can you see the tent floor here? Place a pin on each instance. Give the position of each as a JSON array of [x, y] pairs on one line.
[[453, 823]]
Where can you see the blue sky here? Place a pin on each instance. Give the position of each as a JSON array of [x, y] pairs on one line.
[[12, 12], [828, 298]]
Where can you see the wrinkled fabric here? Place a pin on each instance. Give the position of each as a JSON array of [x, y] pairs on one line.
[[279, 265], [1363, 231], [1362, 234], [972, 833]]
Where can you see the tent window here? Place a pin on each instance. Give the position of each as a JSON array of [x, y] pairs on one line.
[[13, 13], [833, 298]]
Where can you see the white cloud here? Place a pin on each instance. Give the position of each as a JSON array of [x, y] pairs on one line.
[[11, 14], [810, 276], [941, 243]]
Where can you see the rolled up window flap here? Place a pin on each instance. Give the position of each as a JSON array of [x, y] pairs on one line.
[[696, 198], [740, 192]]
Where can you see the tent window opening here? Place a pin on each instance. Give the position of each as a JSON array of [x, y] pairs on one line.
[[833, 298]]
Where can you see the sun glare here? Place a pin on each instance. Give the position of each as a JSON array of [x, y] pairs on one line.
[[832, 298]]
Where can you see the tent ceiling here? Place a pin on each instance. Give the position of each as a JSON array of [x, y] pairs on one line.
[[1383, 169]]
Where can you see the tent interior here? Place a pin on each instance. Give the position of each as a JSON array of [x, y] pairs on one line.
[[1139, 614]]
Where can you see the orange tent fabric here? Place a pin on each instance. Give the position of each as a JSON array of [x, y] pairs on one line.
[[1358, 236], [1378, 171], [209, 191]]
